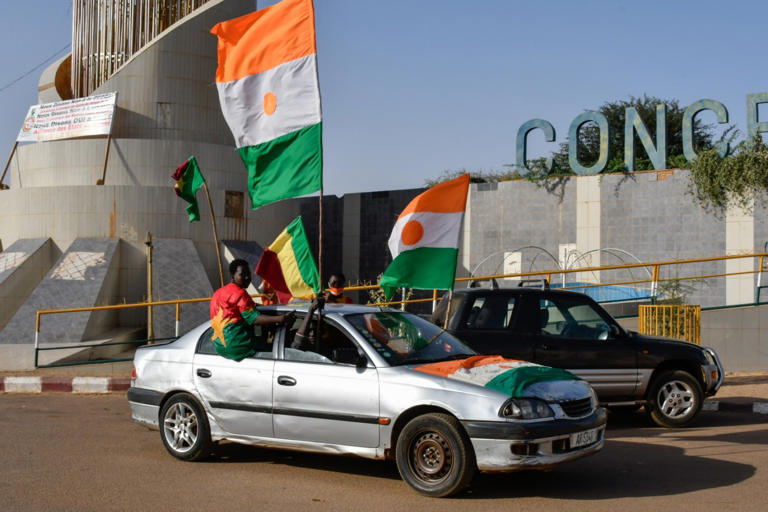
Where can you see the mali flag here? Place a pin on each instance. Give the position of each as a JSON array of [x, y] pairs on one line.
[[288, 264], [425, 240], [270, 98], [189, 179]]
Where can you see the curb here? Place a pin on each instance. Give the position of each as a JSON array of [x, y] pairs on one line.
[[753, 407], [12, 384]]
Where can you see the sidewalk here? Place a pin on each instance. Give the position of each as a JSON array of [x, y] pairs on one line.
[[741, 391]]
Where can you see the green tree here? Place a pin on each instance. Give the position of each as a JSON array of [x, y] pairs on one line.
[[739, 179]]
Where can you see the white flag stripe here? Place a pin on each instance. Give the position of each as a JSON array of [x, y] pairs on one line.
[[441, 230], [294, 84], [482, 375]]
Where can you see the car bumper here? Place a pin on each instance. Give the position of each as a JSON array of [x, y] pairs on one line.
[[514, 446], [714, 374], [145, 406]]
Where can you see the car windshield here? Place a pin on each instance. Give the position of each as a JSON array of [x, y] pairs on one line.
[[404, 338]]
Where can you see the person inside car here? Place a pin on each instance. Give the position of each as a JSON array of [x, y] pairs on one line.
[[233, 315], [305, 337], [336, 290]]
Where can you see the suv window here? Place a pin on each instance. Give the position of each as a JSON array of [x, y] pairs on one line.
[[568, 318], [491, 312]]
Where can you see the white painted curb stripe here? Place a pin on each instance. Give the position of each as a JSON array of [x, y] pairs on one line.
[[23, 384], [760, 407], [90, 385]]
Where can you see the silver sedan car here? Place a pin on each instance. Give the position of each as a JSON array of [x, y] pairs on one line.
[[377, 383]]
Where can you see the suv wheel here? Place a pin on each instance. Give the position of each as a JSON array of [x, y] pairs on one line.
[[434, 456], [674, 399]]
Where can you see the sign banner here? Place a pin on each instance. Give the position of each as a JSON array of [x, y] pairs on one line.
[[82, 117]]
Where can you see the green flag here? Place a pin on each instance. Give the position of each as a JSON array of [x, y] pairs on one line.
[[188, 182]]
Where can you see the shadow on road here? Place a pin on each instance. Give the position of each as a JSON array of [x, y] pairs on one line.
[[627, 466], [232, 452], [627, 469]]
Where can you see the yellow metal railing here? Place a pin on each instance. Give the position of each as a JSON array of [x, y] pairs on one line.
[[40, 313], [676, 325], [679, 321]]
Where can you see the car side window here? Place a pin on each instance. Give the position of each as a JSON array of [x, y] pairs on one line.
[[265, 338], [563, 317], [332, 346], [491, 312]]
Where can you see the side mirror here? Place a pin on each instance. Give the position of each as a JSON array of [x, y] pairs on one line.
[[611, 333]]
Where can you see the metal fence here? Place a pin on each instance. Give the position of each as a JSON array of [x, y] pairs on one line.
[[679, 321], [682, 322], [106, 33]]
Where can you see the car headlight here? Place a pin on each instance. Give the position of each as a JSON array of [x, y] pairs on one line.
[[526, 408], [708, 356], [595, 400]]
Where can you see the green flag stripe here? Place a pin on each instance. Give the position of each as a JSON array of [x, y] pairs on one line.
[[425, 268], [289, 166], [303, 254], [513, 382]]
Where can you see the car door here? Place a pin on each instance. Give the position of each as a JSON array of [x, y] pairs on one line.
[[237, 394], [318, 398], [576, 334], [487, 326]]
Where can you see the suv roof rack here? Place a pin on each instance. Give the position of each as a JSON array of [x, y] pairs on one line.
[[476, 283], [534, 283]]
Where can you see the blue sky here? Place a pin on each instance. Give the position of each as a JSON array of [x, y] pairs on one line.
[[412, 88]]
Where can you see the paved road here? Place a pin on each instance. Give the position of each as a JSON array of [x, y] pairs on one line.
[[82, 452]]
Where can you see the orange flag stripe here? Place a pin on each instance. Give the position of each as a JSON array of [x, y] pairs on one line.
[[446, 197], [265, 39], [447, 368]]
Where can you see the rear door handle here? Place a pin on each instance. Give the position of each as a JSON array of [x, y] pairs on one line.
[[204, 373], [284, 380]]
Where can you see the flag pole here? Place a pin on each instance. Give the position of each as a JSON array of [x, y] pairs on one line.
[[215, 233], [10, 157], [448, 310]]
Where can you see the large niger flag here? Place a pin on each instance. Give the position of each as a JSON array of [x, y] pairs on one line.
[[288, 264], [269, 94], [425, 240]]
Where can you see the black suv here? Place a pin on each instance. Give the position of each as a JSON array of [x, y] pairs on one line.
[[570, 330]]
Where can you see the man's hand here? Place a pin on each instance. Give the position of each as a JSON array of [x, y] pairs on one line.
[[289, 317], [317, 303]]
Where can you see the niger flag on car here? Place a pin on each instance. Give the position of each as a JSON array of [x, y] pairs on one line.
[[270, 98], [425, 240], [288, 264]]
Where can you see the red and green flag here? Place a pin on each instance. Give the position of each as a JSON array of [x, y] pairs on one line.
[[188, 182], [270, 97], [288, 264]]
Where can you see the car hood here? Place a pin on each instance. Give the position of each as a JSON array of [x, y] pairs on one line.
[[671, 347], [512, 377]]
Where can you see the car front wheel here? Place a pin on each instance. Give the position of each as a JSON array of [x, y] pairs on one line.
[[434, 456], [184, 428], [675, 398]]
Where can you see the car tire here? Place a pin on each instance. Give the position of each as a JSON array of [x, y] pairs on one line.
[[434, 455], [674, 399], [184, 428]]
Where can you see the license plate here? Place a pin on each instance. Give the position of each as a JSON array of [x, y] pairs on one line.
[[584, 438]]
